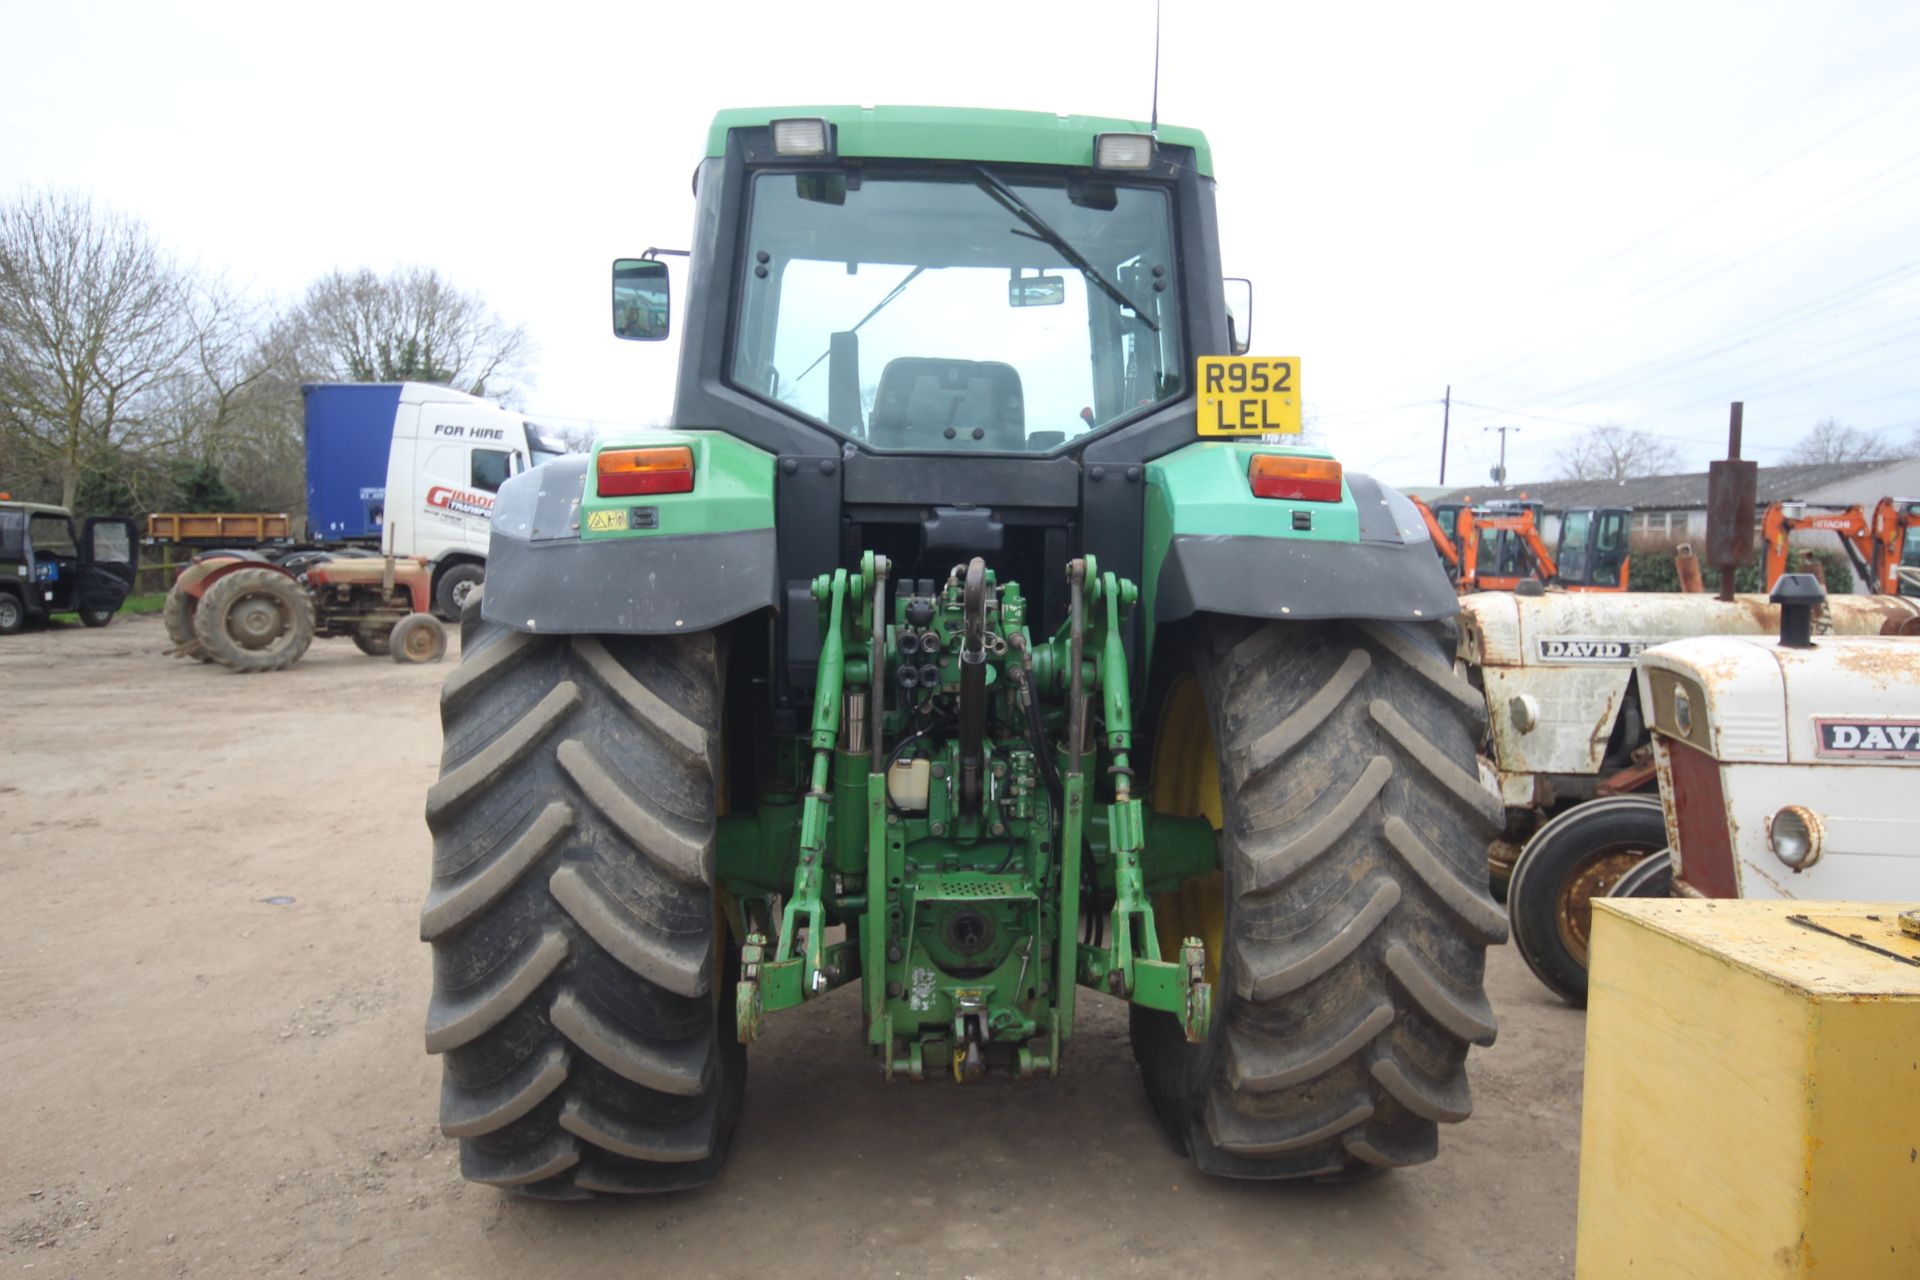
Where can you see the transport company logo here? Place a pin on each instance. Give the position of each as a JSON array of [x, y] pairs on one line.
[[1868, 739], [1576, 649], [459, 501]]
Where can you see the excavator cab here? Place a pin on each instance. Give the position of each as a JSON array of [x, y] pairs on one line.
[[1505, 551], [1896, 545], [1592, 552]]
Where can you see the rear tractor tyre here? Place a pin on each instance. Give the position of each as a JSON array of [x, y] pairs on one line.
[[254, 620], [418, 637], [1579, 856], [455, 585], [581, 1000], [177, 614], [1350, 918], [374, 643]]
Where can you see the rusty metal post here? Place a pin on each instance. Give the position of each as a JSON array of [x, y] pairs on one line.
[[1686, 566], [1732, 491]]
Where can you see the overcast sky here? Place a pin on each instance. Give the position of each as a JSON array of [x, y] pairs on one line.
[[1627, 213]]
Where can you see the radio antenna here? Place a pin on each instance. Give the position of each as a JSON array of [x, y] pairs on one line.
[[1153, 126]]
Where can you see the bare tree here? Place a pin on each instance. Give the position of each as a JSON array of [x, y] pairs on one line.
[[240, 417], [1833, 441], [97, 335], [1615, 453], [412, 325]]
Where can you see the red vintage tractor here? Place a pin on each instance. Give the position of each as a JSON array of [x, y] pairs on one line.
[[249, 612]]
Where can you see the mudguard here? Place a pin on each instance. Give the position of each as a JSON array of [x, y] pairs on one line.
[[564, 560], [1213, 547]]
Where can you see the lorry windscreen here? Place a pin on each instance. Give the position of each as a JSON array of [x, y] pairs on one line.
[[958, 310]]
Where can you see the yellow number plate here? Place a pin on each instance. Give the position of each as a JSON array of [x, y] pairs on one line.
[[1249, 395]]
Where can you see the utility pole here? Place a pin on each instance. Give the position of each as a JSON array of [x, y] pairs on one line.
[[1446, 417], [1500, 472]]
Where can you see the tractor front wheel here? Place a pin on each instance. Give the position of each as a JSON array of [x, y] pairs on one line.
[[1348, 922], [581, 1002], [418, 637], [1579, 856]]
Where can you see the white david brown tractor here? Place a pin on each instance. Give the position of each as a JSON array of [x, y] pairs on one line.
[[1568, 740], [1789, 766]]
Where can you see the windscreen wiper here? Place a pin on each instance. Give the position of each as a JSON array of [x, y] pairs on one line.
[[1022, 210], [877, 309]]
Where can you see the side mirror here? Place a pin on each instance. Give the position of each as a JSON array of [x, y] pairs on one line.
[[640, 297], [1239, 314]]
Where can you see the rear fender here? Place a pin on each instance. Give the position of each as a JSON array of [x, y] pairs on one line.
[[204, 572], [1213, 547], [564, 560]]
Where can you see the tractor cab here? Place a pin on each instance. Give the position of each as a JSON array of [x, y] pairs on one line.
[[46, 568]]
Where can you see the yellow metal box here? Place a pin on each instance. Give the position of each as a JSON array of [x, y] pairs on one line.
[[1752, 1103]]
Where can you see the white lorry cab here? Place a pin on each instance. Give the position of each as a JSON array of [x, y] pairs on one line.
[[412, 468]]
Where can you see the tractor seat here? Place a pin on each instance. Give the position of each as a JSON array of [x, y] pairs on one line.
[[927, 403]]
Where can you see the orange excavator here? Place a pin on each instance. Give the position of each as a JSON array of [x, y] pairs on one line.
[[1440, 529], [1497, 545], [1878, 544]]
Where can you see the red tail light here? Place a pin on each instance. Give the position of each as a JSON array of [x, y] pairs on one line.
[[1280, 475], [626, 473]]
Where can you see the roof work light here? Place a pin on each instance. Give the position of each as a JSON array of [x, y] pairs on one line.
[[1123, 150], [803, 137]]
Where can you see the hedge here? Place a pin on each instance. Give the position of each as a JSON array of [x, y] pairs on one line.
[[1652, 570]]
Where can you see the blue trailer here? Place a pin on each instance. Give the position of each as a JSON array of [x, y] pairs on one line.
[[349, 432]]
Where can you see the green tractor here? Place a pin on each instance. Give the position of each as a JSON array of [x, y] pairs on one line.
[[974, 636]]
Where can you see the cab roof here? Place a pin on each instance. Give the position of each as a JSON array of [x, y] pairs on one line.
[[35, 508], [960, 133]]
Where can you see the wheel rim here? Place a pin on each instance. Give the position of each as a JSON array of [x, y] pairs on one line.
[[9, 613], [1590, 879], [255, 621], [461, 590], [1186, 784], [418, 643]]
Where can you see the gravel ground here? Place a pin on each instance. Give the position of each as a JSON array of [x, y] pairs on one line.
[[211, 1002]]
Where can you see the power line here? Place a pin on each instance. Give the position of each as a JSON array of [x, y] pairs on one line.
[[1682, 286], [1777, 322], [1828, 83], [1722, 371], [1721, 199]]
